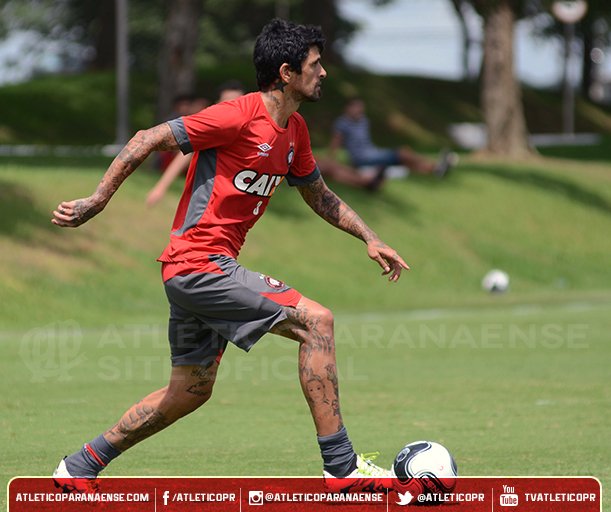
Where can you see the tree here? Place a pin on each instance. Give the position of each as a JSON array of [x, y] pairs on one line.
[[177, 60], [336, 29], [592, 30], [172, 37], [41, 31], [98, 24], [501, 95], [461, 7]]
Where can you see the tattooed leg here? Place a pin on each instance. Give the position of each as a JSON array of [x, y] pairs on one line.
[[312, 326], [189, 388]]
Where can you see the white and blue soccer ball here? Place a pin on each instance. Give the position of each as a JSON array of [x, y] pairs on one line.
[[425, 467], [496, 281]]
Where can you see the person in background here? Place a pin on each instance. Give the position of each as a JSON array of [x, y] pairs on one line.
[[346, 175], [230, 90], [179, 164], [352, 132]]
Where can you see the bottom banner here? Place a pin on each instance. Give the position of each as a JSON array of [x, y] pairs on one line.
[[271, 494]]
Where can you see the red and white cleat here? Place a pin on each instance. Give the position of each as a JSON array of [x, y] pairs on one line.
[[67, 483]]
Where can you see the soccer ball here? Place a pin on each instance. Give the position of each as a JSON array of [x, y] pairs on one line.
[[424, 467], [495, 281]]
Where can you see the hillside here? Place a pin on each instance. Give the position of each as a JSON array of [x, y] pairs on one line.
[[542, 221], [545, 223]]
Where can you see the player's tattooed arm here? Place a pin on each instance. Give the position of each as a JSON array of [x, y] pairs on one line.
[[142, 144], [335, 211]]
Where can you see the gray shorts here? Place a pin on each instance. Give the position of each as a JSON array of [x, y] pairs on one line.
[[232, 304]]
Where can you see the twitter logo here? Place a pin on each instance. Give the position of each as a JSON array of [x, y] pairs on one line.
[[404, 499]]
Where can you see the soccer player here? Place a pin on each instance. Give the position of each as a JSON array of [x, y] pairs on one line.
[[243, 149]]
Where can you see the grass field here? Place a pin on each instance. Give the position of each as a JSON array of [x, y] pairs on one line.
[[510, 391], [514, 385]]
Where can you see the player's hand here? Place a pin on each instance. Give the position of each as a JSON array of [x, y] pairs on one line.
[[70, 214], [387, 258]]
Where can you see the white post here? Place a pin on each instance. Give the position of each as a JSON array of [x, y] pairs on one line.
[[122, 70], [568, 93], [569, 12]]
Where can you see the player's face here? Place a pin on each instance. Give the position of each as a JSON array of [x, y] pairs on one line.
[[309, 82]]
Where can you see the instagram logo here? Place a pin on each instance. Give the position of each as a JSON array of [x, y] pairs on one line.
[[255, 497]]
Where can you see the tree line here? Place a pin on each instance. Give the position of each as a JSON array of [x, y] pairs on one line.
[[176, 36]]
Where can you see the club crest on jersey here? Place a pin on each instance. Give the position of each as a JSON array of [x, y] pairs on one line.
[[290, 156], [272, 283], [251, 182], [265, 148]]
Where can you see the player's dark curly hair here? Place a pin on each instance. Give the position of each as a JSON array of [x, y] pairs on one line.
[[282, 41]]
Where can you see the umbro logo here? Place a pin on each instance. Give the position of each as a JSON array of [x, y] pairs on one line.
[[265, 149]]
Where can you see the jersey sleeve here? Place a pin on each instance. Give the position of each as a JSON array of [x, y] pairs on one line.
[[303, 169], [215, 126]]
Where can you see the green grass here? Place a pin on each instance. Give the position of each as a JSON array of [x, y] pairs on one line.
[[512, 384], [508, 391], [544, 223]]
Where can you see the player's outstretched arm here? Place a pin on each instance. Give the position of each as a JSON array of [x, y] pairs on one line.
[[74, 213], [337, 213]]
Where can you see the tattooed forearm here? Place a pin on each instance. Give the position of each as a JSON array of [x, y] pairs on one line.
[[84, 210], [337, 213]]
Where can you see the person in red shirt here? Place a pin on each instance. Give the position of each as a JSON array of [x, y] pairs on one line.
[[243, 149]]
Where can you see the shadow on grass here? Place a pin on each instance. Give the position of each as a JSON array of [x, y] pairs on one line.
[[573, 191], [19, 213]]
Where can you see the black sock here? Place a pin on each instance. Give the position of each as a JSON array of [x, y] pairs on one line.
[[337, 453], [92, 458]]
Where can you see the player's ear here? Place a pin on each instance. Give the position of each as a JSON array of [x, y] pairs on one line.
[[285, 73]]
